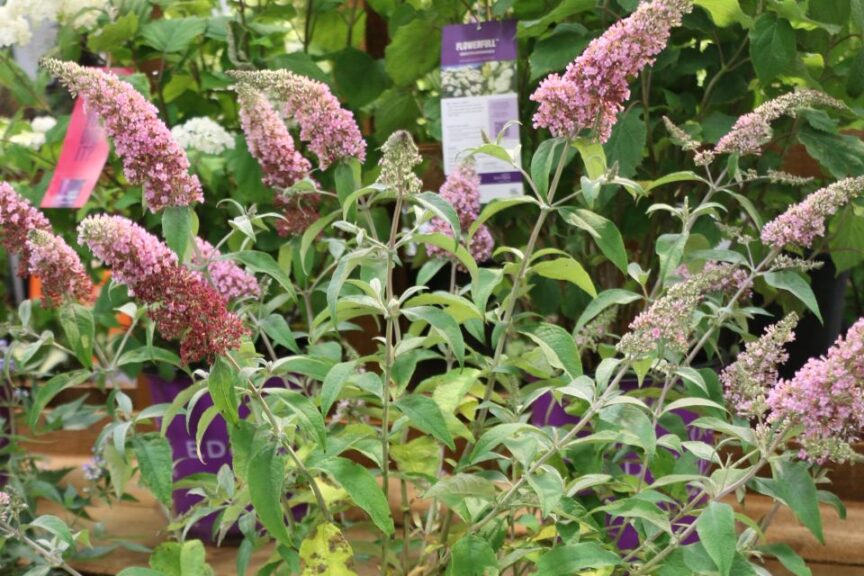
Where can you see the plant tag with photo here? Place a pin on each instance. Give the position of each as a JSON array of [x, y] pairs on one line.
[[478, 95]]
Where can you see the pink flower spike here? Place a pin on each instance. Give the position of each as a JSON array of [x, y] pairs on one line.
[[184, 307], [269, 140], [58, 267], [329, 130], [231, 281], [17, 219], [591, 93], [151, 157]]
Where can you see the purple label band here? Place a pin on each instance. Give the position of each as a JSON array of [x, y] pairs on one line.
[[500, 178], [482, 42]]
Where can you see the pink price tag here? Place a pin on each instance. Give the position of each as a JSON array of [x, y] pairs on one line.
[[85, 151]]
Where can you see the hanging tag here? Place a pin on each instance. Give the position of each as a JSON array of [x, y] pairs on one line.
[[478, 95], [85, 151]]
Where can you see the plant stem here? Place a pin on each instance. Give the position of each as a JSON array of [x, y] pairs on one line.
[[389, 360], [53, 559]]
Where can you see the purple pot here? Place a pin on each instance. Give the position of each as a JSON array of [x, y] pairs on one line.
[[546, 411]]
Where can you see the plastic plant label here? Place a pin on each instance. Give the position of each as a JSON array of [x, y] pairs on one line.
[[478, 84]]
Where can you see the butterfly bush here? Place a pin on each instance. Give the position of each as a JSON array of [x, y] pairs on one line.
[[752, 131], [58, 267], [184, 306], [150, 155], [595, 86], [17, 219], [802, 223], [826, 398], [269, 141], [462, 190], [329, 130], [26, 232], [231, 281], [747, 380]]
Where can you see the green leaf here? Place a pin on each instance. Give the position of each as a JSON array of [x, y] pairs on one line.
[[155, 462], [796, 487], [566, 269], [593, 156], [406, 58], [716, 529], [222, 384], [792, 282], [138, 571], [545, 161], [178, 225], [47, 391], [362, 488], [80, 329], [276, 327], [772, 47], [55, 526], [265, 476], [113, 34], [448, 244], [573, 558], [847, 241], [444, 324], [419, 456], [148, 354], [307, 413], [603, 231], [172, 35], [359, 77], [607, 298], [788, 557], [452, 490], [441, 208], [495, 206], [638, 508], [558, 346], [561, 12], [472, 556], [670, 249], [673, 178], [841, 154], [549, 487], [725, 12], [627, 141], [333, 383], [555, 51], [263, 263], [424, 414], [326, 552], [855, 80], [493, 438]]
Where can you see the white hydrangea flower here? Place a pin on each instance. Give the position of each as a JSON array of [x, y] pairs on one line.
[[82, 14], [43, 124], [33, 140], [204, 135], [14, 30], [18, 17]]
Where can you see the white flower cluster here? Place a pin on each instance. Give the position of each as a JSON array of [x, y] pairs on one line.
[[19, 17], [491, 78], [35, 137], [204, 135]]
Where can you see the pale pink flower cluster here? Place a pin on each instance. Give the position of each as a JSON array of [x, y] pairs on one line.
[[666, 323], [826, 398], [595, 86], [58, 267], [329, 130], [752, 131], [183, 306], [748, 379], [227, 277], [17, 219], [462, 190], [150, 155], [804, 222], [269, 141], [25, 231]]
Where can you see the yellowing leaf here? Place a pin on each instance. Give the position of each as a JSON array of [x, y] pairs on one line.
[[327, 553]]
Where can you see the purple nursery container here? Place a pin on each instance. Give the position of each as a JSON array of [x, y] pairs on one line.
[[545, 411]]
